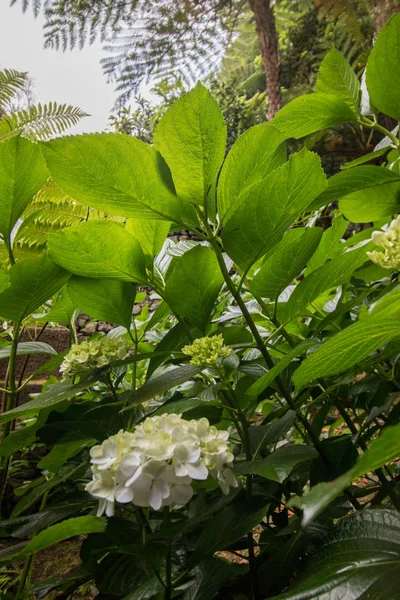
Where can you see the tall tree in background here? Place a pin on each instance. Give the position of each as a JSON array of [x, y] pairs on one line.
[[269, 48], [150, 38]]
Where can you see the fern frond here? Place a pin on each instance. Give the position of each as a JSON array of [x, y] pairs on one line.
[[11, 82], [42, 121], [50, 211]]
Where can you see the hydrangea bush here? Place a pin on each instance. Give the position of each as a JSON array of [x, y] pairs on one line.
[[242, 440]]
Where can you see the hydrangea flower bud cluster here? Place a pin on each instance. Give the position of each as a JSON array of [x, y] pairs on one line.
[[390, 241], [206, 351], [156, 464], [94, 353]]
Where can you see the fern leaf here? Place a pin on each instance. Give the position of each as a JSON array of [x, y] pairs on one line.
[[40, 122], [11, 82]]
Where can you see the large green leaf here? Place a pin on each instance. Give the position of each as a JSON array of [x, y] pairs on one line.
[[150, 234], [4, 279], [33, 281], [22, 172], [279, 464], [330, 275], [105, 299], [271, 206], [116, 173], [98, 249], [351, 345], [310, 113], [369, 190], [193, 283], [358, 560], [252, 157], [288, 259], [383, 70], [228, 526], [191, 137], [383, 450], [336, 77]]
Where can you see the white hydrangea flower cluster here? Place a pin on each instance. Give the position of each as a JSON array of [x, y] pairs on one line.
[[389, 240], [156, 464], [94, 353], [206, 351]]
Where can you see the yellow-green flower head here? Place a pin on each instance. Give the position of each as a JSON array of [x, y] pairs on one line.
[[94, 353], [206, 351], [389, 240]]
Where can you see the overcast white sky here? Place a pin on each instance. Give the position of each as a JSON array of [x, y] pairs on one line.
[[72, 77]]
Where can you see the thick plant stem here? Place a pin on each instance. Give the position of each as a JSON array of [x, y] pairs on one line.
[[265, 354]]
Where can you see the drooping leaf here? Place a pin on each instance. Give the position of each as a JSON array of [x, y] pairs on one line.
[[278, 465], [383, 69], [288, 259], [263, 382], [28, 348], [67, 446], [100, 249], [252, 157], [208, 577], [359, 559], [105, 299], [369, 190], [32, 282], [310, 113], [163, 383], [191, 137], [63, 531], [271, 206], [228, 526], [116, 173], [330, 275], [262, 435], [350, 346], [192, 285], [22, 172], [52, 396], [381, 451], [336, 77]]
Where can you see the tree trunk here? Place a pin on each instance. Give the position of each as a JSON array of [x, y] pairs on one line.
[[269, 48]]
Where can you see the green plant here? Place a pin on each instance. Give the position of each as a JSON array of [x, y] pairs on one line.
[[304, 378]]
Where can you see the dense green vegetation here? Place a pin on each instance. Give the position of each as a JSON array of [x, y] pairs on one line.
[[241, 440]]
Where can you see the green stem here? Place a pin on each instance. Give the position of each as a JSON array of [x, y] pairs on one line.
[[10, 401], [265, 354], [375, 125], [168, 563]]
